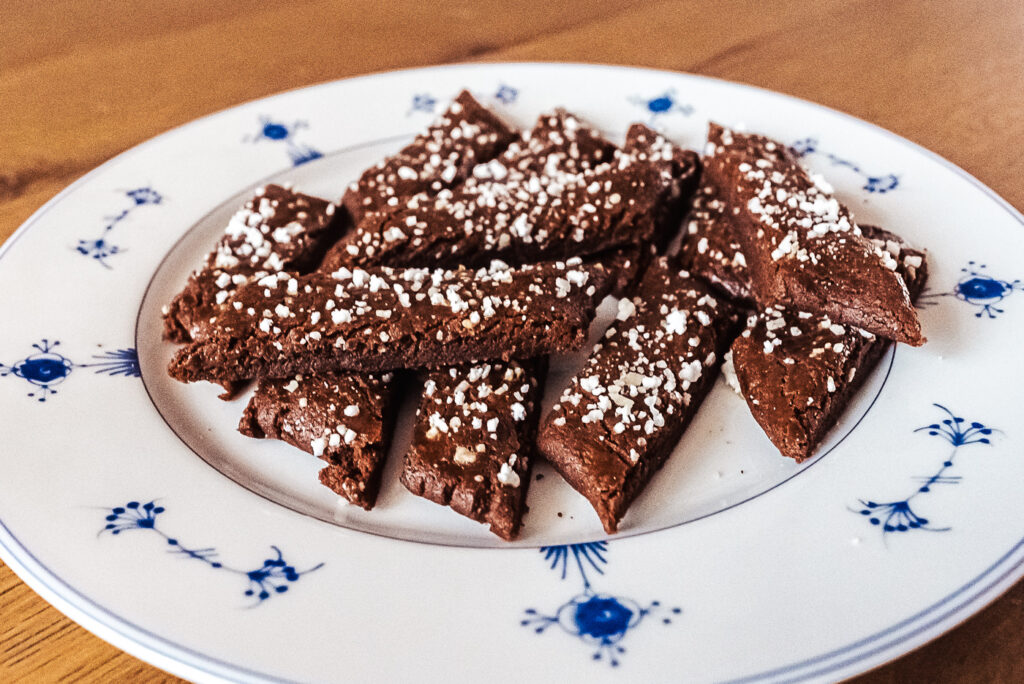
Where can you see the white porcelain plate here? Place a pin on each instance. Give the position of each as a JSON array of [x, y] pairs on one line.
[[130, 502]]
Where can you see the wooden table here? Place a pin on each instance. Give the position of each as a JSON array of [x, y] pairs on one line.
[[82, 81]]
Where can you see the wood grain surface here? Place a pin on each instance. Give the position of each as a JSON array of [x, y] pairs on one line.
[[83, 81]]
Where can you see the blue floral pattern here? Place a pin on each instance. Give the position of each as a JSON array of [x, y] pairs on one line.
[[878, 184], [100, 249], [659, 106], [282, 132], [46, 367], [898, 516], [598, 619], [426, 103], [272, 577], [506, 94], [422, 102], [978, 289]]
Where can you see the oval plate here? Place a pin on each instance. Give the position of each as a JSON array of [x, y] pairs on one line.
[[736, 565]]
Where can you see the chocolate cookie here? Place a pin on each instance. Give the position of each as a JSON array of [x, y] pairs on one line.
[[563, 192], [394, 318], [803, 249], [712, 250], [473, 444], [277, 230], [626, 409], [467, 134], [647, 145], [798, 370], [344, 418]]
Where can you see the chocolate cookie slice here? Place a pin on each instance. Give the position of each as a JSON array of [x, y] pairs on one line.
[[629, 262], [277, 230], [563, 192], [473, 444], [712, 250], [394, 318], [626, 409], [466, 134], [798, 370], [344, 418], [558, 139], [647, 145], [802, 246]]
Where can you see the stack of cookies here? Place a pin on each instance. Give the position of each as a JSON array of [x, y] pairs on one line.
[[477, 251]]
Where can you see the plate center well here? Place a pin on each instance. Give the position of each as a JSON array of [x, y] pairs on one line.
[[722, 461]]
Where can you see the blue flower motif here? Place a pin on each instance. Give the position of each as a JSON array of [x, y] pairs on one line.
[[982, 288], [275, 131], [119, 362], [283, 132], [47, 367], [589, 554], [301, 154], [977, 289], [804, 147], [899, 516], [661, 105], [43, 369], [599, 619], [957, 431], [272, 577], [506, 94], [603, 617], [132, 516], [896, 516], [145, 195], [100, 249], [881, 184], [422, 102], [876, 184]]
